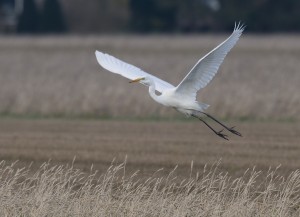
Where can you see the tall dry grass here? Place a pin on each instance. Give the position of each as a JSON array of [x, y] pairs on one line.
[[59, 75], [67, 191]]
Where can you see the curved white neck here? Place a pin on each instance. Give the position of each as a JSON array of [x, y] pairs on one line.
[[152, 92]]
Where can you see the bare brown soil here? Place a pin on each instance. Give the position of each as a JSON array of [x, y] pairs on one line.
[[150, 145]]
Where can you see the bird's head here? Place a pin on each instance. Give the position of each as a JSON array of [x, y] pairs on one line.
[[143, 80]]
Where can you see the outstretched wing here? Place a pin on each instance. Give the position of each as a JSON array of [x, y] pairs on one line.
[[129, 71], [206, 68]]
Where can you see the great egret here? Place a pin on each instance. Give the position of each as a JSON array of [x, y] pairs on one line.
[[183, 97]]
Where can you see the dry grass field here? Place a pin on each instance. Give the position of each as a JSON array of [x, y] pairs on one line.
[[60, 75], [67, 191], [56, 102]]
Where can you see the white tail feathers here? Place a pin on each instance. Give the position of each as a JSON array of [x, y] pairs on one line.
[[202, 105]]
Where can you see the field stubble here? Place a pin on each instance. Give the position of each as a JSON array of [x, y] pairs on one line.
[[67, 191]]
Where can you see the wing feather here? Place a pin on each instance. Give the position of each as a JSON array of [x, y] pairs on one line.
[[129, 71], [207, 67]]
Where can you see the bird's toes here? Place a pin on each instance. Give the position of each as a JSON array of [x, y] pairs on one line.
[[222, 135], [220, 132], [235, 132]]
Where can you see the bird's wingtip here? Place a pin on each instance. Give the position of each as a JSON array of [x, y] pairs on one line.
[[239, 26], [99, 54]]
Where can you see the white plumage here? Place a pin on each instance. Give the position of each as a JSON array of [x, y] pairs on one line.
[[129, 71], [182, 97], [207, 67]]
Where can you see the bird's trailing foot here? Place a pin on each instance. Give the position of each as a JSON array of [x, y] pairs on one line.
[[234, 131], [230, 129], [222, 135]]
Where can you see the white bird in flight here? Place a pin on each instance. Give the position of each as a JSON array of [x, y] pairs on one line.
[[183, 96]]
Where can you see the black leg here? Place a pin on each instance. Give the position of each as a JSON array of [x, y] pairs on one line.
[[230, 129], [222, 135]]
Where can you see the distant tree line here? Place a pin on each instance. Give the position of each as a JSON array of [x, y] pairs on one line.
[[146, 16], [198, 15], [48, 19]]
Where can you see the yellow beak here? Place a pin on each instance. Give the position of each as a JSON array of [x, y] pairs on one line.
[[136, 80]]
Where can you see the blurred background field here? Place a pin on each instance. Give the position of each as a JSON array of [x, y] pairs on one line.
[[59, 76]]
